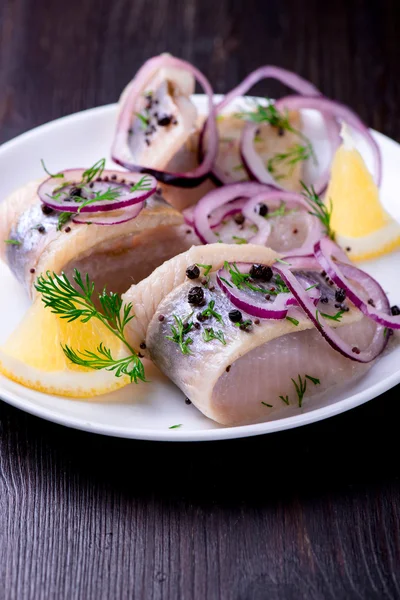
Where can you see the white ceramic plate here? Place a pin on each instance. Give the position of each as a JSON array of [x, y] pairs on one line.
[[148, 410]]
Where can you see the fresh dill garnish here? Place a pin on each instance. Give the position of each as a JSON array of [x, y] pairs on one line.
[[336, 317], [226, 281], [283, 262], [238, 168], [267, 114], [175, 426], [311, 287], [207, 268], [63, 218], [144, 121], [243, 324], [13, 242], [314, 380], [279, 285], [265, 404], [281, 211], [72, 303], [284, 399], [54, 175], [95, 171], [183, 326], [301, 386], [142, 185], [318, 208], [294, 321], [209, 334], [109, 195], [295, 154], [210, 312], [241, 280], [239, 240]]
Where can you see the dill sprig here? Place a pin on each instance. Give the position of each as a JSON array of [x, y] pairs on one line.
[[210, 312], [13, 242], [54, 175], [183, 326], [142, 185], [63, 218], [95, 171], [281, 211], [337, 317], [73, 303], [240, 280], [318, 208], [301, 386], [267, 114], [144, 121], [209, 334], [295, 154], [110, 194], [239, 240], [207, 268]]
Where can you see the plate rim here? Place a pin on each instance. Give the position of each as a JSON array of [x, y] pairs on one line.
[[179, 435]]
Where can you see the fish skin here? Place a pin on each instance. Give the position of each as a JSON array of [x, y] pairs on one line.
[[54, 250], [202, 375], [149, 293]]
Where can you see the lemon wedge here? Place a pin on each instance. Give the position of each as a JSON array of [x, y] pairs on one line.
[[33, 357], [362, 226]]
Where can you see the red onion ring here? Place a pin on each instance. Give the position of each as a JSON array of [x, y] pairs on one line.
[[73, 178], [277, 309], [111, 218], [293, 199], [255, 166], [338, 111], [325, 252], [220, 197], [218, 215], [379, 340], [120, 151]]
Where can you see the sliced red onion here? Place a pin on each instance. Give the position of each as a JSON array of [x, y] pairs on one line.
[[338, 111], [217, 216], [111, 218], [292, 199], [364, 356], [120, 149], [217, 198], [56, 192], [260, 307], [256, 168], [379, 311]]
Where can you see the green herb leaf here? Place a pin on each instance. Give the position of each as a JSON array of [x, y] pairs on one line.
[[144, 184], [314, 380], [109, 195], [63, 218], [183, 326], [56, 175], [143, 119], [175, 426], [284, 399], [336, 317], [207, 268], [265, 404], [239, 240], [13, 242], [210, 312], [318, 208], [294, 321], [295, 154], [95, 171], [300, 388], [209, 334]]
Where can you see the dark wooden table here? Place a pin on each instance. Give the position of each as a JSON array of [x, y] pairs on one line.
[[305, 514]]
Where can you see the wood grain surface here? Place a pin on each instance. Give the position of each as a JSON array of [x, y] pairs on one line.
[[311, 513]]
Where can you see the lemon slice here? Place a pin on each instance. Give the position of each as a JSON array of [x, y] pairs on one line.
[[33, 357], [362, 226]]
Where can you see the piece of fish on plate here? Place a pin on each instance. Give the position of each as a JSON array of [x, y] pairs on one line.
[[234, 371], [114, 256]]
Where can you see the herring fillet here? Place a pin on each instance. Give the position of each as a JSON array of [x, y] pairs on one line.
[[233, 383], [147, 295], [20, 215]]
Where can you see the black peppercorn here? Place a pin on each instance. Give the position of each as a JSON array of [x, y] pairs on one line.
[[395, 311], [196, 296], [165, 121], [261, 272], [263, 210], [239, 218], [41, 229], [340, 295], [143, 346], [201, 317], [235, 316], [193, 272], [46, 210], [75, 191]]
